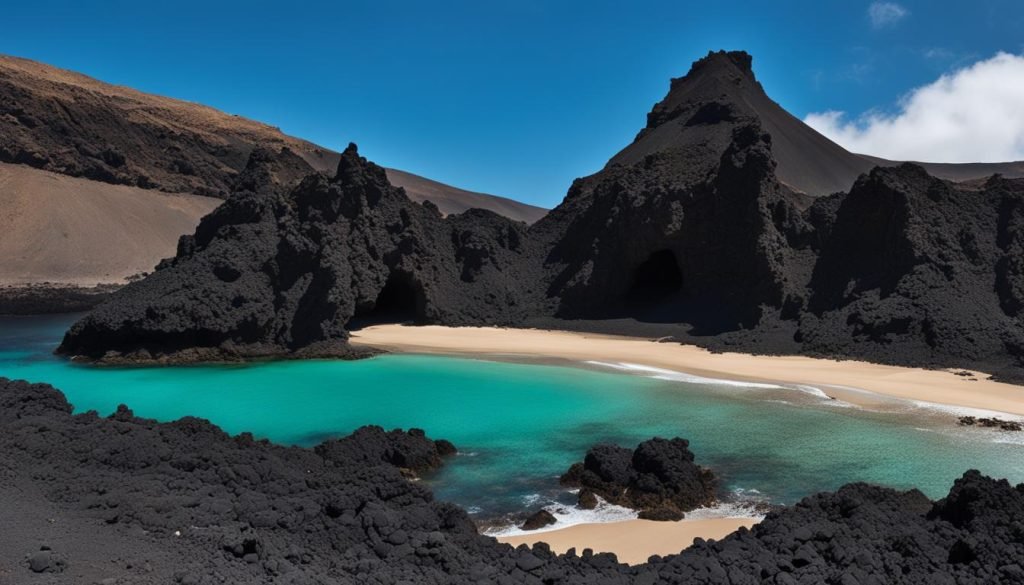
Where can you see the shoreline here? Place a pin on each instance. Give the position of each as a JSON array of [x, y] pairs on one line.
[[859, 383], [52, 298], [633, 541]]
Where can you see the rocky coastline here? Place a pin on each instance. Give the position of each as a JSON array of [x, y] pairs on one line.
[[130, 500], [699, 230]]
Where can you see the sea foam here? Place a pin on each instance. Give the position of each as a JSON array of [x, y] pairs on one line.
[[744, 503], [676, 376], [673, 375], [569, 515]]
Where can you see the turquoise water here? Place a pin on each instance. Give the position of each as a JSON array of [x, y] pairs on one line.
[[519, 426]]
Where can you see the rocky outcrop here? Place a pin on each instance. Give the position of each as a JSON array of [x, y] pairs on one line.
[[915, 269], [410, 451], [693, 232], [277, 271], [700, 236], [125, 499], [659, 478], [991, 423], [538, 520]]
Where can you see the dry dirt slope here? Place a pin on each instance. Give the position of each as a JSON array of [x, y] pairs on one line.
[[68, 230], [72, 124]]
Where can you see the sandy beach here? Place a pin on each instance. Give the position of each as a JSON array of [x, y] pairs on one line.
[[633, 541], [859, 383]]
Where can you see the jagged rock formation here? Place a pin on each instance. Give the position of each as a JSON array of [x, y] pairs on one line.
[[410, 451], [695, 230], [921, 267], [284, 271], [130, 500], [698, 235], [658, 478], [722, 88], [99, 181]]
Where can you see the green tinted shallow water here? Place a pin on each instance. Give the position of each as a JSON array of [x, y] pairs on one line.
[[519, 426]]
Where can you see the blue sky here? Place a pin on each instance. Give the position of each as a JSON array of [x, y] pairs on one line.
[[512, 98]]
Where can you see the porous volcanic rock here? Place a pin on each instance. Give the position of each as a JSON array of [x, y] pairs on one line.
[[410, 451], [659, 478], [122, 499], [695, 232], [285, 272], [919, 268]]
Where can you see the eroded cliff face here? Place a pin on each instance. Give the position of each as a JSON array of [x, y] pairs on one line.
[[690, 227], [687, 236], [917, 266]]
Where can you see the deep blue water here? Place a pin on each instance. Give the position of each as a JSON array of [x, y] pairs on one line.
[[519, 426]]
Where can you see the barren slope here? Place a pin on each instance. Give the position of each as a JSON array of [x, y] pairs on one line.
[[72, 124], [68, 230], [454, 200], [959, 171]]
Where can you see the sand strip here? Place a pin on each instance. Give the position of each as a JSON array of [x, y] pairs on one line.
[[855, 382], [633, 541]]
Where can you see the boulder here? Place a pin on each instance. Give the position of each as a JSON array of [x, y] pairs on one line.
[[539, 519], [659, 478]]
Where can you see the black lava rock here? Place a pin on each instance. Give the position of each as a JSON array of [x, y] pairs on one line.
[[539, 519], [697, 231], [659, 478], [411, 451], [194, 505], [276, 271]]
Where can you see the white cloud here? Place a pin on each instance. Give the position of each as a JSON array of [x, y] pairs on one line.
[[883, 14], [938, 53], [974, 114]]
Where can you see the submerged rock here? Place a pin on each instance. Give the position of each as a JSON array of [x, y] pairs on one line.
[[988, 422], [659, 478]]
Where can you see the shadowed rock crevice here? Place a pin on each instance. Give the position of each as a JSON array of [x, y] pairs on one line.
[[656, 278], [400, 301]]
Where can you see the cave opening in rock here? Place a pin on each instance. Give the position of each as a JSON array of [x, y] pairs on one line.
[[400, 301], [656, 278]]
